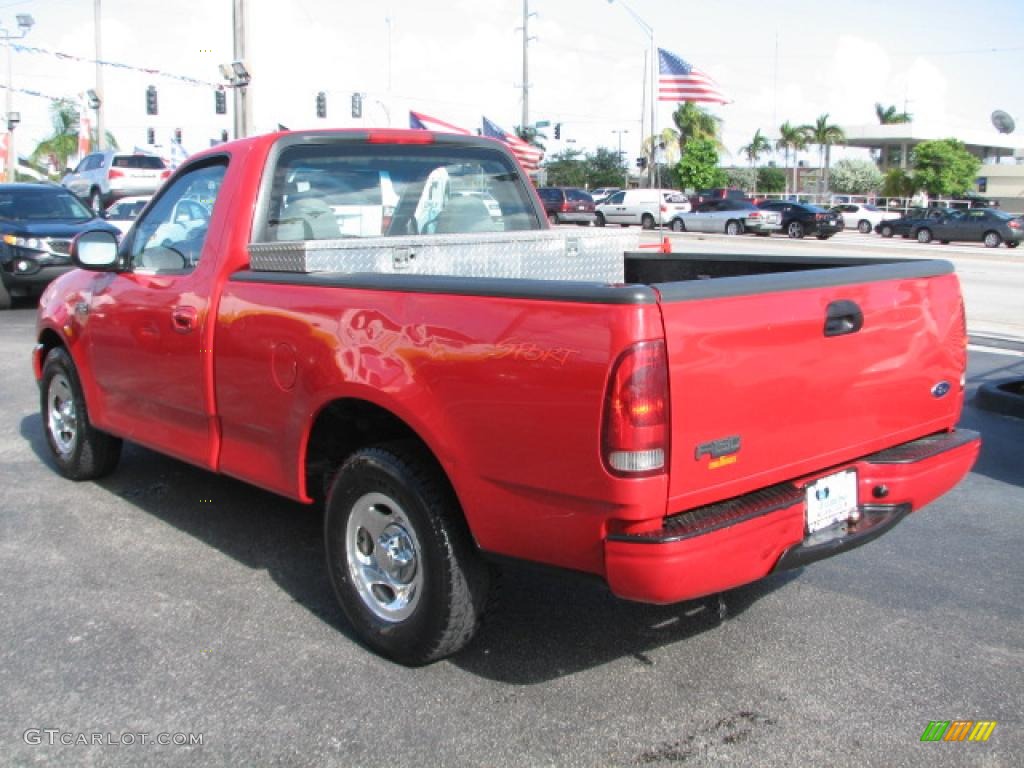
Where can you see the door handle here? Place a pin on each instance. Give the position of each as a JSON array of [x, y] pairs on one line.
[[183, 319], [843, 317]]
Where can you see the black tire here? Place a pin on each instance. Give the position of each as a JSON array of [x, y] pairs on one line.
[[583, 223], [5, 296], [923, 235], [824, 237], [623, 225], [795, 230], [677, 225], [647, 221], [763, 234], [734, 227], [553, 219], [944, 242], [80, 451], [1012, 243], [599, 220], [886, 231], [864, 227], [95, 201], [430, 555], [992, 239]]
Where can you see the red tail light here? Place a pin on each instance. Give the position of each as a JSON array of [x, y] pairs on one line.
[[635, 427], [1014, 223], [387, 214], [820, 216], [115, 174], [754, 215], [165, 174], [566, 207]]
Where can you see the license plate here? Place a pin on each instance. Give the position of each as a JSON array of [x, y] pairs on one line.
[[831, 499], [582, 208]]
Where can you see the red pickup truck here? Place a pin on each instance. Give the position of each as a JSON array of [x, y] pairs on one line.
[[384, 321]]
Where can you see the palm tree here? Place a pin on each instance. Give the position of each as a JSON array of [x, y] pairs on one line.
[[889, 115], [694, 122], [62, 144], [59, 146], [667, 140], [791, 138], [824, 136], [531, 135], [758, 146]]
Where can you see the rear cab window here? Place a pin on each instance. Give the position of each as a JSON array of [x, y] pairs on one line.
[[139, 162], [342, 190], [578, 196]]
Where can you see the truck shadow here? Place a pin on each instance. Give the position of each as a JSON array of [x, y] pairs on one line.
[[542, 625]]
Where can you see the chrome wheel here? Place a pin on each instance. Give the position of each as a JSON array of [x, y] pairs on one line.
[[61, 418], [864, 227], [795, 230], [383, 557], [992, 240]]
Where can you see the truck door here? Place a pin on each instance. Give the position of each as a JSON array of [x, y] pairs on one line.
[[145, 329]]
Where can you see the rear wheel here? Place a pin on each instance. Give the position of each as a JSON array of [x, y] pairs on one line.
[[864, 227], [95, 201], [1012, 244], [80, 451], [599, 220], [993, 240], [886, 231], [924, 235], [795, 230], [5, 296], [734, 228], [400, 555], [677, 225], [553, 219], [647, 221]]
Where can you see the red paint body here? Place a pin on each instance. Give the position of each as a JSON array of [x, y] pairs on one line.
[[509, 393]]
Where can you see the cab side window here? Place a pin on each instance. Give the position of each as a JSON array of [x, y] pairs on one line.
[[170, 237]]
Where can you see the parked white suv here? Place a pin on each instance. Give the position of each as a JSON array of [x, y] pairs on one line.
[[103, 177], [649, 208]]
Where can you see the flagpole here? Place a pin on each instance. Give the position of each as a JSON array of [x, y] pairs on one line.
[[655, 58]]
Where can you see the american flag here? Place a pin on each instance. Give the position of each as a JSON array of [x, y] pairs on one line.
[[528, 155], [681, 81], [427, 123]]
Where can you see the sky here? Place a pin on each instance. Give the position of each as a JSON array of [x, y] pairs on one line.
[[948, 62]]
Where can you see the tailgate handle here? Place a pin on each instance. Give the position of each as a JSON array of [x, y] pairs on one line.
[[843, 317]]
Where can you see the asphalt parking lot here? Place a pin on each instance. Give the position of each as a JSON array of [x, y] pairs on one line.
[[166, 600]]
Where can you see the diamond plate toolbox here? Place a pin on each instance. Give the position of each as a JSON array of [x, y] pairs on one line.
[[592, 256]]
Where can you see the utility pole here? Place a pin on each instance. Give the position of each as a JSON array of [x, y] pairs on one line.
[[101, 130], [526, 67], [243, 101]]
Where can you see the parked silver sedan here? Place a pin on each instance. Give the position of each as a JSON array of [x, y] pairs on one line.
[[732, 217]]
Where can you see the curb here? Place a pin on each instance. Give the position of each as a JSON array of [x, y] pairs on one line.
[[1005, 397]]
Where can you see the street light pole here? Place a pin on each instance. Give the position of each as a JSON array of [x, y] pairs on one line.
[[100, 127], [647, 28], [25, 23], [625, 177]]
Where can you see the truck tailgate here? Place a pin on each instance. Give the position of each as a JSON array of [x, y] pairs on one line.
[[771, 385]]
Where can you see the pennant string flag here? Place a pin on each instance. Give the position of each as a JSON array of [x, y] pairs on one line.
[[679, 80]]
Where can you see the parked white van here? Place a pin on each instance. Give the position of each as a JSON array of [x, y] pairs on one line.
[[649, 208]]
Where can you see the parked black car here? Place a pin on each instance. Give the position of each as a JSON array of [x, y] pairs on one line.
[[981, 225], [37, 223], [799, 219], [908, 223], [568, 204]]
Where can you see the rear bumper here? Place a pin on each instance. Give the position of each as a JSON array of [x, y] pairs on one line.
[[576, 217], [738, 541]]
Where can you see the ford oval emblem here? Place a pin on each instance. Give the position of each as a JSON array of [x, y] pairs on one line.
[[941, 389]]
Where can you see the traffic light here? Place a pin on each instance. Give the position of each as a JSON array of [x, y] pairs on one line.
[[221, 101], [558, 130], [150, 136], [641, 163], [151, 105], [357, 105], [177, 135], [321, 104]]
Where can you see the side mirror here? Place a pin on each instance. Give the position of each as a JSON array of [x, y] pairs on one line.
[[95, 250]]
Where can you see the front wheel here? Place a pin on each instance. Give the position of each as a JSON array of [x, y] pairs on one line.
[[924, 235], [400, 555], [677, 225], [647, 221], [795, 230], [864, 227], [993, 240], [886, 231], [80, 451]]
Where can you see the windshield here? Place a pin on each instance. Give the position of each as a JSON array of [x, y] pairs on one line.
[[41, 204]]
